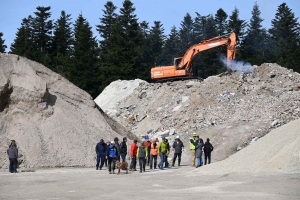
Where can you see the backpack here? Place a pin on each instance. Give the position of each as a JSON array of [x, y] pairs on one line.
[[142, 152], [208, 147]]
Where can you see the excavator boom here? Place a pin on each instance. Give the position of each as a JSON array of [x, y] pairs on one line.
[[182, 66]]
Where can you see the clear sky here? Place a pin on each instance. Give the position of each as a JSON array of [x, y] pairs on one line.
[[169, 12]]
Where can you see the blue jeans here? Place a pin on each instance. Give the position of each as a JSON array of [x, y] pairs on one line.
[[162, 160], [123, 156], [199, 161], [151, 161]]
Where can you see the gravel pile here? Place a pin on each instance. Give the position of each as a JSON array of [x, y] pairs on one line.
[[278, 151]]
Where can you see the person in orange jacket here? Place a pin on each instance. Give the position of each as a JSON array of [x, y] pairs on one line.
[[153, 153], [133, 152]]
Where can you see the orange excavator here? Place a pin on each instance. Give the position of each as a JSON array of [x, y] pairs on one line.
[[183, 65]]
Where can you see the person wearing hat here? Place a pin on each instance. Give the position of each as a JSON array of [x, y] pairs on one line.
[[162, 151], [142, 154], [12, 153], [147, 145], [112, 155], [178, 148], [193, 144], [101, 152], [116, 140]]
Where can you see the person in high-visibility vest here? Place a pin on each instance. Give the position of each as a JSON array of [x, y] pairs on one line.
[[162, 151], [193, 144]]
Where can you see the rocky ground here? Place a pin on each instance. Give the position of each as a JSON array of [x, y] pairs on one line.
[[232, 109]]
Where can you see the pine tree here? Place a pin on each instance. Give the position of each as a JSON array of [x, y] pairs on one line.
[[62, 43], [24, 44], [253, 48], [171, 48], [210, 27], [42, 28], [285, 36], [157, 39], [207, 62], [235, 24], [85, 70], [146, 59], [2, 45], [105, 30], [107, 22], [130, 41], [122, 59], [186, 33], [199, 28], [221, 22]]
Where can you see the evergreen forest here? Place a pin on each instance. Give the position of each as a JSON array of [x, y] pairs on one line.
[[129, 48]]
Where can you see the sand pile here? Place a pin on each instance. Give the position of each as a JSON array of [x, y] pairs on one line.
[[278, 151], [54, 122]]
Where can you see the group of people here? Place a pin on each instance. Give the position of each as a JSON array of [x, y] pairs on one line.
[[147, 152], [197, 147], [109, 152]]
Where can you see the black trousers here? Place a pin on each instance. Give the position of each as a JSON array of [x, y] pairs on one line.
[[100, 159], [133, 163], [148, 160], [174, 158], [152, 157], [142, 162], [111, 164], [207, 156], [166, 161], [13, 163]]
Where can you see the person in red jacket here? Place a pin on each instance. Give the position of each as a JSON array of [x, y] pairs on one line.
[[133, 152]]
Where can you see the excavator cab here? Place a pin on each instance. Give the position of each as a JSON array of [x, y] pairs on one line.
[[177, 61]]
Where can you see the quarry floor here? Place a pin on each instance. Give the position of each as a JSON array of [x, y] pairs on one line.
[[171, 183]]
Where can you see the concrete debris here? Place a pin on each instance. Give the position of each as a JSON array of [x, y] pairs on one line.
[[177, 108], [233, 106]]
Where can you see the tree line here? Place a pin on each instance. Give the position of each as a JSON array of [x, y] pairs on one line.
[[128, 49]]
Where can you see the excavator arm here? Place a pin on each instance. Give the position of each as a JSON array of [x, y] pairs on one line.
[[182, 65]]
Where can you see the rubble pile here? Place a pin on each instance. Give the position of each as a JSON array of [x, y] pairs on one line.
[[233, 109]]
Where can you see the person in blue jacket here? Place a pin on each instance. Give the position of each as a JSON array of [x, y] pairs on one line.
[[101, 152], [111, 156]]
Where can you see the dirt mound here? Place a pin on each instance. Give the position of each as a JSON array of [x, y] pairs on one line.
[[232, 109], [278, 151], [54, 122]]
